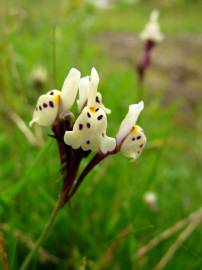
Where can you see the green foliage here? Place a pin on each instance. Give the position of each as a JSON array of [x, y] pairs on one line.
[[59, 36]]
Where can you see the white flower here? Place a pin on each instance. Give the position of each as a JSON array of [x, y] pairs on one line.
[[100, 3], [54, 102], [151, 200], [131, 138], [39, 75], [89, 131], [152, 31]]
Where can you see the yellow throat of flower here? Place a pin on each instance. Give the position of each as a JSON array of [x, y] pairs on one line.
[[57, 98], [135, 129], [92, 109]]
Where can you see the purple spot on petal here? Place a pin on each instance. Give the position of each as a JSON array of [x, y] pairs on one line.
[[99, 117], [51, 104], [97, 100], [89, 115], [40, 108], [51, 93], [87, 142], [88, 125], [45, 105], [133, 139], [138, 137], [80, 126]]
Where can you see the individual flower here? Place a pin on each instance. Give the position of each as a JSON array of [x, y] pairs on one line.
[[102, 4], [152, 31], [38, 76], [89, 130], [151, 200], [131, 138], [51, 104]]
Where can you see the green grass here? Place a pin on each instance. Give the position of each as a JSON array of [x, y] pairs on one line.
[[110, 199]]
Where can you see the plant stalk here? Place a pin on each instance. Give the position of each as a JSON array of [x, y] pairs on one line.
[[44, 233]]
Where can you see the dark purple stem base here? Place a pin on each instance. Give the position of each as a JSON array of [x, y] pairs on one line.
[[143, 66]]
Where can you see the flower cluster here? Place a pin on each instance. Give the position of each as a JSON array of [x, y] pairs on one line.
[[79, 134]]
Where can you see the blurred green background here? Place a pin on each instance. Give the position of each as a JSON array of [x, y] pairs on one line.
[[108, 219]]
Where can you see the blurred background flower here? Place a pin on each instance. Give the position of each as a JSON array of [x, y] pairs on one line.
[[38, 77], [151, 200]]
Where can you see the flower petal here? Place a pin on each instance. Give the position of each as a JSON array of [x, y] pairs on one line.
[[46, 109], [154, 15], [94, 81], [70, 89], [88, 129], [129, 121], [108, 144], [99, 103], [134, 143], [83, 92]]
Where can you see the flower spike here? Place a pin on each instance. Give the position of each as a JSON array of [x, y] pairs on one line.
[[76, 138]]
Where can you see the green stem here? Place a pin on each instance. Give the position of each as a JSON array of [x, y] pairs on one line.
[[44, 233]]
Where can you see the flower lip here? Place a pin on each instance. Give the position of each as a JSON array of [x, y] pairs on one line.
[[46, 110], [133, 145]]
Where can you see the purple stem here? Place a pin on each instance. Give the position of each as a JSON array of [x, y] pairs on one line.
[[93, 162], [70, 159], [143, 66], [61, 145], [77, 156]]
